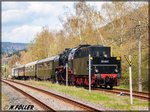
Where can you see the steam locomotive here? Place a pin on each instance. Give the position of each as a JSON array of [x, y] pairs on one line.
[[105, 70]]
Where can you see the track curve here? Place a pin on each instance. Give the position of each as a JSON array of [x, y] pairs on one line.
[[79, 104]]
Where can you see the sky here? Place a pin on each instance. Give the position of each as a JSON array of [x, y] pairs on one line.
[[21, 21]]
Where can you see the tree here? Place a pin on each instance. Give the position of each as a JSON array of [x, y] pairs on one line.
[[43, 43], [13, 61], [83, 25], [122, 16]]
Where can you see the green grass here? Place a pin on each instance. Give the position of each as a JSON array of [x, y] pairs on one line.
[[123, 87], [135, 88], [109, 100]]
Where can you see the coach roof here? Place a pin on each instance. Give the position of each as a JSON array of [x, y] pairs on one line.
[[19, 67], [31, 63], [48, 59]]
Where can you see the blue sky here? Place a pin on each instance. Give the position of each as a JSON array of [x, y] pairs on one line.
[[21, 21]]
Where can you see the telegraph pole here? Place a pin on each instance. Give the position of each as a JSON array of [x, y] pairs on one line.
[[140, 82], [139, 55], [78, 13]]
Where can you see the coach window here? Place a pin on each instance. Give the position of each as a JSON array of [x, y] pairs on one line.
[[30, 68], [33, 67], [50, 65], [80, 53], [97, 54], [83, 53], [45, 65], [76, 54], [86, 53], [40, 66]]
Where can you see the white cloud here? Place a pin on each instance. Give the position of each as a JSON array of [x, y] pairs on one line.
[[22, 20], [24, 33], [13, 15], [41, 8], [26, 22], [32, 11]]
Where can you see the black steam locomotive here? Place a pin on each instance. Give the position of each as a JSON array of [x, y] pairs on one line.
[[105, 70]]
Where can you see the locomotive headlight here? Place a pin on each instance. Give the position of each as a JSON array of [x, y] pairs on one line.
[[116, 70], [96, 71], [105, 55]]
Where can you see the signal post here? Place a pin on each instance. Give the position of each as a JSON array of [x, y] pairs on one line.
[[129, 60]]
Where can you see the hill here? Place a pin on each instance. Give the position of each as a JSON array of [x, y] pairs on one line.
[[9, 47]]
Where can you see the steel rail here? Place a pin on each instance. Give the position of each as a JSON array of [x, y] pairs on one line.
[[76, 103], [136, 94], [35, 100]]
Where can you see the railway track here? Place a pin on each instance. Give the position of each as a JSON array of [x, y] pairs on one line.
[[35, 100], [45, 106], [136, 94]]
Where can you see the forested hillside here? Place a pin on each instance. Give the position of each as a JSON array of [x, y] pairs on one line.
[[9, 47], [117, 25]]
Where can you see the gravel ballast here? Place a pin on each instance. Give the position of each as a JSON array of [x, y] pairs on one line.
[[16, 101], [55, 103], [58, 106]]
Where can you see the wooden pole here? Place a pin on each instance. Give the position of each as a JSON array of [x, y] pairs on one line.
[[139, 62], [89, 73], [66, 74]]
